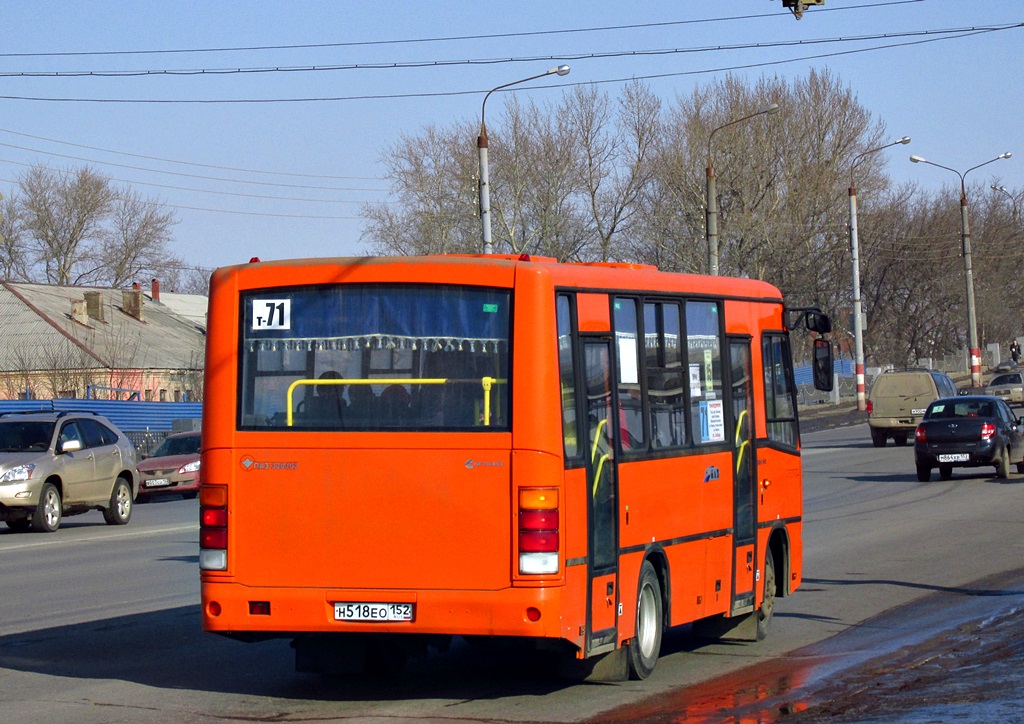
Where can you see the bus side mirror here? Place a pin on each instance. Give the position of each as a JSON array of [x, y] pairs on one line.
[[818, 322], [822, 366]]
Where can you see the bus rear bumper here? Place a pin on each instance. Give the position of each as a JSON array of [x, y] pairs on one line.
[[231, 608]]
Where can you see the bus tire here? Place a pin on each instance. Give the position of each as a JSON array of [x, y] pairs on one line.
[[646, 644], [767, 610]]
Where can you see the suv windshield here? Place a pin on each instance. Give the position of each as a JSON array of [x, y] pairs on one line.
[[25, 435], [375, 357], [186, 445]]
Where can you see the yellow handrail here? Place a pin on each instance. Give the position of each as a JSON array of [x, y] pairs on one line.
[[360, 381], [597, 473], [597, 437]]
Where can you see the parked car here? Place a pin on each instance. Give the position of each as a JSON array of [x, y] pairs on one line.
[[54, 464], [172, 468], [968, 432], [898, 399], [1008, 386]]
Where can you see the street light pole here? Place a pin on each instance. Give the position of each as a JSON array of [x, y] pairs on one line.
[[711, 227], [1013, 201], [858, 326], [481, 145], [965, 241]]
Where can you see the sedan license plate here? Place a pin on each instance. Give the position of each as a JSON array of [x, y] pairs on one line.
[[373, 611], [954, 458], [157, 483]]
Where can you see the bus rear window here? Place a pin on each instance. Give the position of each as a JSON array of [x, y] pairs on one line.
[[375, 357]]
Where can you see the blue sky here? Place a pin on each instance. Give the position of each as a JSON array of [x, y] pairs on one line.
[[289, 176]]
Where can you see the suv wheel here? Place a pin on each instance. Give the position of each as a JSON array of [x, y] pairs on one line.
[[46, 516], [119, 511]]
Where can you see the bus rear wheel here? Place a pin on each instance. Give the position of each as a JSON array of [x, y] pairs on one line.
[[646, 644], [767, 610]]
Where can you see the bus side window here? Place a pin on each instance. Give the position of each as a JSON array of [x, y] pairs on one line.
[[704, 345], [663, 353], [631, 419], [778, 389], [567, 377]]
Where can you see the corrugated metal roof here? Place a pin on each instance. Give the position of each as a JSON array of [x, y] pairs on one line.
[[37, 328], [191, 306]]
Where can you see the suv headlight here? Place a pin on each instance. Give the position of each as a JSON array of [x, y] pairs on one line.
[[20, 473], [189, 467]]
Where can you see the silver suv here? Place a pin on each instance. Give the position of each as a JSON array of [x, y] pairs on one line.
[[54, 464]]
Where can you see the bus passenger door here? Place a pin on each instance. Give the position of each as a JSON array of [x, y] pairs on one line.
[[744, 477], [602, 534]]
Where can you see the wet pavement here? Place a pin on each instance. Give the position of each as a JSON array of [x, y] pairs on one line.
[[955, 656]]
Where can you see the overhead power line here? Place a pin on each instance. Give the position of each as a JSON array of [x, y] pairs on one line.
[[189, 163], [443, 39], [951, 35], [404, 65]]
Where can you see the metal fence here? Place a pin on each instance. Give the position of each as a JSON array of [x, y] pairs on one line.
[[146, 424]]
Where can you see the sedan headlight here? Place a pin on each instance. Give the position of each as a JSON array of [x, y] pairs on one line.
[[18, 474], [189, 467]]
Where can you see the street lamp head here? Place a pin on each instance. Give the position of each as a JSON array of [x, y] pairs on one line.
[[918, 159], [998, 188], [1005, 155], [560, 70], [773, 108], [905, 140]]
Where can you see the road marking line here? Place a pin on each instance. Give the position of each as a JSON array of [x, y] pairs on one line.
[[99, 538]]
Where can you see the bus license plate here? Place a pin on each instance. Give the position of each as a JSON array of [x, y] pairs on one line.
[[954, 458], [373, 611]]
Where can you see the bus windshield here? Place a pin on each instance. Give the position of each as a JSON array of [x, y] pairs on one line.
[[375, 357]]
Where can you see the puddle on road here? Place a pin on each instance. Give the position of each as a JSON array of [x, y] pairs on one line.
[[953, 654]]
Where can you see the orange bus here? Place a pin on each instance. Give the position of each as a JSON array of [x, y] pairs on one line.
[[400, 450]]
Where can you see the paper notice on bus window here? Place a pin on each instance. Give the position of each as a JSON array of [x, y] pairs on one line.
[[628, 373], [709, 369], [712, 421], [694, 381], [271, 314]]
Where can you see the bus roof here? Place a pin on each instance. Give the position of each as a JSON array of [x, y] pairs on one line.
[[496, 269]]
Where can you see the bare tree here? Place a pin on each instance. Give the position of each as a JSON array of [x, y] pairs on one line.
[[72, 227], [432, 177], [14, 259], [63, 213], [66, 369], [136, 240]]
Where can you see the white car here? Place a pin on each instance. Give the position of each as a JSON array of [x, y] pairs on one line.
[[54, 464]]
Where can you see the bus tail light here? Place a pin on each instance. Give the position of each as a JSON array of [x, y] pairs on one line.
[[538, 530], [213, 528]]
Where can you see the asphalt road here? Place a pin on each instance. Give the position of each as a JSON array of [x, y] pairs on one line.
[[101, 624]]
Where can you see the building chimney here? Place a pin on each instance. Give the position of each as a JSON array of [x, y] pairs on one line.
[[156, 290], [94, 305], [78, 311], [131, 303], [136, 285]]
